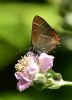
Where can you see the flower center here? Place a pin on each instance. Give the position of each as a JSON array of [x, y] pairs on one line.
[[23, 63]]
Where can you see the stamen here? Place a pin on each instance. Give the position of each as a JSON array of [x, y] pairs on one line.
[[23, 63]]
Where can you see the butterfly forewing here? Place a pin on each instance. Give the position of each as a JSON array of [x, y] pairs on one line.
[[43, 36]]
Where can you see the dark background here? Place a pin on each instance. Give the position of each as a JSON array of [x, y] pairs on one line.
[[15, 39]]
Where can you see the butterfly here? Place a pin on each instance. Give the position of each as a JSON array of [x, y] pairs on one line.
[[44, 37]]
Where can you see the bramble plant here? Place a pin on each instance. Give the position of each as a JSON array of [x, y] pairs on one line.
[[36, 70]]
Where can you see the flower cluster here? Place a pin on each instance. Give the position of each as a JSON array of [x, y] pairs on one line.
[[32, 67]]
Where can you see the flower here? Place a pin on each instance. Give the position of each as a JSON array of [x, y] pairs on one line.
[[29, 65], [26, 69]]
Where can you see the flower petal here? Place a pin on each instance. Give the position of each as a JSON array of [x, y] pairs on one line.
[[21, 75], [45, 62], [22, 85], [30, 53], [33, 68], [18, 75]]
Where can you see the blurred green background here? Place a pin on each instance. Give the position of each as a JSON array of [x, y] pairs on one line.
[[15, 39]]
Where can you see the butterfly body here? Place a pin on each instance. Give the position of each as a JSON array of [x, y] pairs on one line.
[[44, 38]]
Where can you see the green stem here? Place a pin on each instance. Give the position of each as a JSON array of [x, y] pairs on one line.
[[67, 83]]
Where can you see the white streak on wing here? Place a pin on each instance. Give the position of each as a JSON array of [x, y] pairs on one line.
[[38, 25]]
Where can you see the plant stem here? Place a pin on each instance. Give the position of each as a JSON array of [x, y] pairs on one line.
[[67, 83]]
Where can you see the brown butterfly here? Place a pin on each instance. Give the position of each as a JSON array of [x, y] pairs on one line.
[[44, 38]]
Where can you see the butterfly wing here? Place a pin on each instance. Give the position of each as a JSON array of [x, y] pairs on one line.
[[44, 37]]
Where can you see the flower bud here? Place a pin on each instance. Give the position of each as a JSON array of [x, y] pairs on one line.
[[55, 84], [39, 81]]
